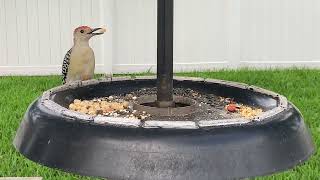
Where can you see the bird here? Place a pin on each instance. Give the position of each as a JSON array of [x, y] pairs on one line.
[[79, 62]]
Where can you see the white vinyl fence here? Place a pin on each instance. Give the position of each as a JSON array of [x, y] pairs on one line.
[[209, 34]]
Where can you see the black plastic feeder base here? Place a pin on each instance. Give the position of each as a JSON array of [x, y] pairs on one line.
[[193, 150]]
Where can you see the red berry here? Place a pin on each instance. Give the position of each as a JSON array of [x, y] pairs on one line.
[[232, 108]]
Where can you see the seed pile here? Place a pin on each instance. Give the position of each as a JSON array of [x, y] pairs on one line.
[[111, 106], [243, 110], [249, 112]]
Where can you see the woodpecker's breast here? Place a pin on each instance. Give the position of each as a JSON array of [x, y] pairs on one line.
[[82, 59], [82, 64]]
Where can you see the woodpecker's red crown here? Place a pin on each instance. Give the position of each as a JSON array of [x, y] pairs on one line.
[[82, 28]]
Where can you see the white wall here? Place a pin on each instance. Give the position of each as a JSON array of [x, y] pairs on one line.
[[209, 34], [36, 34]]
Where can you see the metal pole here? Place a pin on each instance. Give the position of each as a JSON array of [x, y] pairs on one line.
[[165, 54]]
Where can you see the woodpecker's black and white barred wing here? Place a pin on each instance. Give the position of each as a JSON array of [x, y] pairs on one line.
[[65, 66]]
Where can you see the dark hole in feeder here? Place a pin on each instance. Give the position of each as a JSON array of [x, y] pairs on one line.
[[176, 105], [182, 106]]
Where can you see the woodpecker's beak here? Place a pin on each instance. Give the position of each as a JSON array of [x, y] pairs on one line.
[[100, 31]]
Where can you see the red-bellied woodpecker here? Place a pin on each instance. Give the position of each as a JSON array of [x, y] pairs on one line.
[[79, 62]]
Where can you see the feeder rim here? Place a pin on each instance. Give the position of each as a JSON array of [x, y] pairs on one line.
[[45, 100]]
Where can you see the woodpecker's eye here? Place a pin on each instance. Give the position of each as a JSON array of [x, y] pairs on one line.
[[82, 31]]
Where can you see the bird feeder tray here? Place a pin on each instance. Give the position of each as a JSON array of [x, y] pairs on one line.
[[120, 148]]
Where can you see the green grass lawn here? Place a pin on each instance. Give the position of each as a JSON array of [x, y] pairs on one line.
[[302, 87]]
